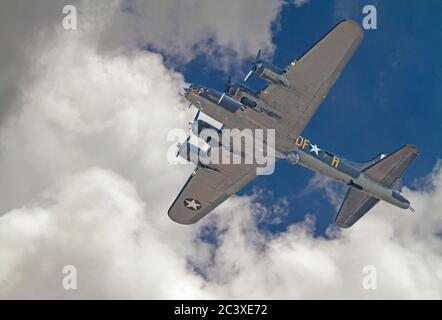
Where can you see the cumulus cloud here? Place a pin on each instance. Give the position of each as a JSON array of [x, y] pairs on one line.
[[326, 187], [85, 182], [227, 32], [96, 222], [122, 248], [347, 9], [85, 110], [300, 3], [404, 249], [25, 26]]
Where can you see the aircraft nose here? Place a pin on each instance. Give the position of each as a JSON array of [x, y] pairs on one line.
[[184, 90]]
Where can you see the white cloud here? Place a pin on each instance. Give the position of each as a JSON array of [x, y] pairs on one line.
[[300, 3], [225, 31], [123, 248], [84, 182], [326, 187], [86, 109], [347, 9], [405, 249], [96, 222]]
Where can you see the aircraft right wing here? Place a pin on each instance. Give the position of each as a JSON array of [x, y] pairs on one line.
[[311, 78], [208, 188]]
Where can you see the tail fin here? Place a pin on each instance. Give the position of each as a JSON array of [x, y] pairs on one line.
[[387, 170]]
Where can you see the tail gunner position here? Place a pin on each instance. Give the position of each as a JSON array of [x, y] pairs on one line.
[[286, 105]]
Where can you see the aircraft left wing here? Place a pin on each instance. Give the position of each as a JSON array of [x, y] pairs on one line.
[[311, 78], [207, 188]]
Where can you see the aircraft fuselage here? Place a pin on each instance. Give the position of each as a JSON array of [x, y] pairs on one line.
[[337, 168]]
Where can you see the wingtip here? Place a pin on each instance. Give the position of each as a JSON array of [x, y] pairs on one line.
[[353, 25], [343, 226], [176, 220], [341, 223], [413, 149], [182, 217]]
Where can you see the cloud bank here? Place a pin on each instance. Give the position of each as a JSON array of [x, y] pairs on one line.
[[227, 32], [85, 182]]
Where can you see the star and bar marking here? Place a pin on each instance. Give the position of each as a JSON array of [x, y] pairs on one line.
[[315, 149], [192, 204]]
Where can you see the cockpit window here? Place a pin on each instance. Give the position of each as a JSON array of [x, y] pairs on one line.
[[195, 90]]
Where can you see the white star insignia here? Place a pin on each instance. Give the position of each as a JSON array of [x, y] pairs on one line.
[[192, 204], [315, 149]]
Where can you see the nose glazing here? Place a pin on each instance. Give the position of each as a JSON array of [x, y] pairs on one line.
[[184, 90]]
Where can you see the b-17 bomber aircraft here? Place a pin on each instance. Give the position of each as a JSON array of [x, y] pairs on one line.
[[286, 104]]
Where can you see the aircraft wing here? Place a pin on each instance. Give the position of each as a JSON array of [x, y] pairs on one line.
[[207, 188], [311, 78]]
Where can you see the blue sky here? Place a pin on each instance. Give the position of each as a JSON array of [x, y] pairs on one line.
[[388, 95]]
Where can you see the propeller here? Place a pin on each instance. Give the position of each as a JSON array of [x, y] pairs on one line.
[[254, 65], [178, 148], [197, 115], [227, 85], [192, 123], [222, 96]]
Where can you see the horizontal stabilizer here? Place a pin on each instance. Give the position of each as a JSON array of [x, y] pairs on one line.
[[390, 169], [355, 205]]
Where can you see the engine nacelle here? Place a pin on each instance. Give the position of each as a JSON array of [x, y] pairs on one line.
[[268, 72], [189, 152], [271, 73], [293, 157], [206, 132], [203, 131], [199, 125]]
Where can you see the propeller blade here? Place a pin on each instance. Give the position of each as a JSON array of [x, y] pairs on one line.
[[248, 75], [178, 146], [222, 96], [229, 83], [258, 56], [197, 114]]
